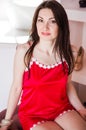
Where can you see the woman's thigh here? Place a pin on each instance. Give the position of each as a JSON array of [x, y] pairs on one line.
[[71, 121], [48, 125]]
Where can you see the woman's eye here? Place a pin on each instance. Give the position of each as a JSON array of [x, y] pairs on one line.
[[40, 20], [53, 21]]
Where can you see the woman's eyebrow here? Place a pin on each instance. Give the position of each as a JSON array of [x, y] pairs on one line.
[[52, 18], [40, 17], [49, 18]]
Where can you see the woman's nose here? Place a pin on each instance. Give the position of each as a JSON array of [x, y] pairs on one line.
[[46, 25]]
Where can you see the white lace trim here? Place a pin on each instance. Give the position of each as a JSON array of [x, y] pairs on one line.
[[42, 65], [64, 112], [38, 123]]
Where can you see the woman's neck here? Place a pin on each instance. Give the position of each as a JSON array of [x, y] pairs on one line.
[[46, 47]]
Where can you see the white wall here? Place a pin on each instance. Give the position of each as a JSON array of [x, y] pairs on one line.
[[7, 52], [3, 9], [19, 16]]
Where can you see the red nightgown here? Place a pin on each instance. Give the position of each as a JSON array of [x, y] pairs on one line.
[[44, 94]]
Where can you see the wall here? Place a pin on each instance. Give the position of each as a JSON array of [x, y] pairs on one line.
[[18, 16], [7, 52], [3, 7]]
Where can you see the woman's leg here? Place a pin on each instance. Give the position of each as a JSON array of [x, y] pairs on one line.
[[48, 125], [71, 121]]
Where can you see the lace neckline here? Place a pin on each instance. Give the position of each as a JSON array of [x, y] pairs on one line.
[[41, 65]]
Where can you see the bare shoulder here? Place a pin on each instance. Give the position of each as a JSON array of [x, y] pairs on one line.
[[21, 50], [24, 47]]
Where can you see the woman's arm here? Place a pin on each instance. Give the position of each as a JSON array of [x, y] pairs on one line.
[[72, 95], [16, 87], [74, 99]]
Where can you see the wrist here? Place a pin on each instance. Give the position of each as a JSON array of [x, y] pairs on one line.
[[5, 122]]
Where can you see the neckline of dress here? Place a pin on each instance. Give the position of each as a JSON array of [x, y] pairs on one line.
[[41, 65]]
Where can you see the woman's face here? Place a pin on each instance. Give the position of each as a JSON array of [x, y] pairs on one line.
[[47, 27]]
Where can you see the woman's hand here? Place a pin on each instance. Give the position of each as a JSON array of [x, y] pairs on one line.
[[5, 123], [82, 112], [3, 127]]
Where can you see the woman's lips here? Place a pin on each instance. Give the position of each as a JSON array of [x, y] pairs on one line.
[[46, 33]]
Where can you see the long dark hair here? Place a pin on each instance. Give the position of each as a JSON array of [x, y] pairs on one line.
[[62, 44]]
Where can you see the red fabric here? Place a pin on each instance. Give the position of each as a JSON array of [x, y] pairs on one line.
[[44, 94]]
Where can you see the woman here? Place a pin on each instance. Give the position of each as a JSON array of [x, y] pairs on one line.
[[42, 76]]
